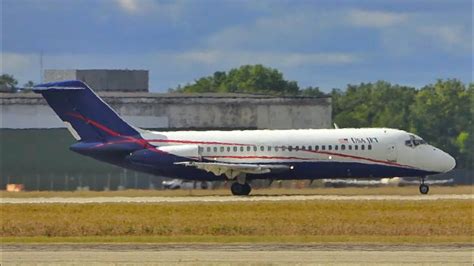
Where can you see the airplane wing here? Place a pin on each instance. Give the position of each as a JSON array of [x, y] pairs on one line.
[[231, 170]]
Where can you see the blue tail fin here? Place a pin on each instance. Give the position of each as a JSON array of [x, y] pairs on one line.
[[79, 107]]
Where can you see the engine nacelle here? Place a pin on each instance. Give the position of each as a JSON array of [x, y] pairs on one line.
[[188, 151], [164, 155]]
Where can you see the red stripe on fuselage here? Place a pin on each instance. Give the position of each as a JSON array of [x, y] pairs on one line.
[[113, 133], [258, 157], [146, 144], [196, 142], [94, 123]]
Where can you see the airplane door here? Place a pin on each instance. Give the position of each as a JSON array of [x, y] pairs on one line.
[[200, 150], [392, 153]]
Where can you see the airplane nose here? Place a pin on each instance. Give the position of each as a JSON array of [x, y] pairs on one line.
[[450, 163], [447, 163]]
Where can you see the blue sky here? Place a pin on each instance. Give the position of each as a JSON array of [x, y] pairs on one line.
[[328, 44]]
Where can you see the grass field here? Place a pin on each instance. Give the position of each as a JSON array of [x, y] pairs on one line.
[[390, 190], [447, 221]]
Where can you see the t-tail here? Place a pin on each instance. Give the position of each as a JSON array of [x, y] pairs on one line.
[[85, 114]]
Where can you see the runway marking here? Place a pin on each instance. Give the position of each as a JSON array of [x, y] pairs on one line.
[[257, 198]]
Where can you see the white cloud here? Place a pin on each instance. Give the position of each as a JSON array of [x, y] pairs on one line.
[[159, 9], [375, 19], [131, 6], [23, 66], [450, 36], [280, 59], [290, 30]]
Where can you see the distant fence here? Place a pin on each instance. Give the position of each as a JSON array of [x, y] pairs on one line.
[[41, 160]]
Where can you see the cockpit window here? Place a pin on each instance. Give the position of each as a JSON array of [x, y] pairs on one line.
[[414, 141]]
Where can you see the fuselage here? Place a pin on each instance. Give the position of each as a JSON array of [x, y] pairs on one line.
[[310, 154]]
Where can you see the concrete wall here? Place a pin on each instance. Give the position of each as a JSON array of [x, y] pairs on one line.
[[175, 111], [103, 79]]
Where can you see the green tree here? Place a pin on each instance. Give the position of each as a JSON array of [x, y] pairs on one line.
[[245, 79], [377, 104], [442, 114], [29, 84], [312, 92], [8, 83]]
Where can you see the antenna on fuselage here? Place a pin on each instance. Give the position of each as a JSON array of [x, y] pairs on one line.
[[336, 126]]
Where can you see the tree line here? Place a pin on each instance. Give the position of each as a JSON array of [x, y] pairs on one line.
[[8, 83], [442, 113]]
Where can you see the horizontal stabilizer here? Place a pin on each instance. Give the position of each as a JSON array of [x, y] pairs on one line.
[[62, 85]]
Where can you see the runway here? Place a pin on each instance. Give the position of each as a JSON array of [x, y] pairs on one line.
[[84, 200], [236, 254]]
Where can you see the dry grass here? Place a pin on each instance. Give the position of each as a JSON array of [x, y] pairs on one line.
[[314, 221], [409, 190]]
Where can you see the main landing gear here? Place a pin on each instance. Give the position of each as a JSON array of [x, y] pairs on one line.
[[240, 187], [423, 187]]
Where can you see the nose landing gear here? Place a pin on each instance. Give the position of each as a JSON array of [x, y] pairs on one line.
[[423, 187]]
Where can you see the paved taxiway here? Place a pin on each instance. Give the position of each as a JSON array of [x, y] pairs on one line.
[[235, 254], [233, 198]]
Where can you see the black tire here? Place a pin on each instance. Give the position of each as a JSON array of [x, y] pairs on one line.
[[424, 189], [236, 189], [247, 189], [239, 189]]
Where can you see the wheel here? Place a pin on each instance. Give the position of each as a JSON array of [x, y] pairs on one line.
[[239, 189], [247, 188], [424, 189], [236, 188]]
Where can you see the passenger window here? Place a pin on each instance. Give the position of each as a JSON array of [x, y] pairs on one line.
[[369, 147], [248, 148], [208, 149], [235, 149], [228, 149], [343, 147], [349, 146], [329, 147], [297, 148], [310, 148], [215, 149], [316, 147], [323, 147], [356, 147], [336, 147], [283, 148], [290, 148], [276, 148], [254, 148], [262, 148], [269, 148], [241, 148], [222, 149], [303, 148], [362, 147]]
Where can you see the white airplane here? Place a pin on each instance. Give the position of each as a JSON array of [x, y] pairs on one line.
[[241, 155]]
